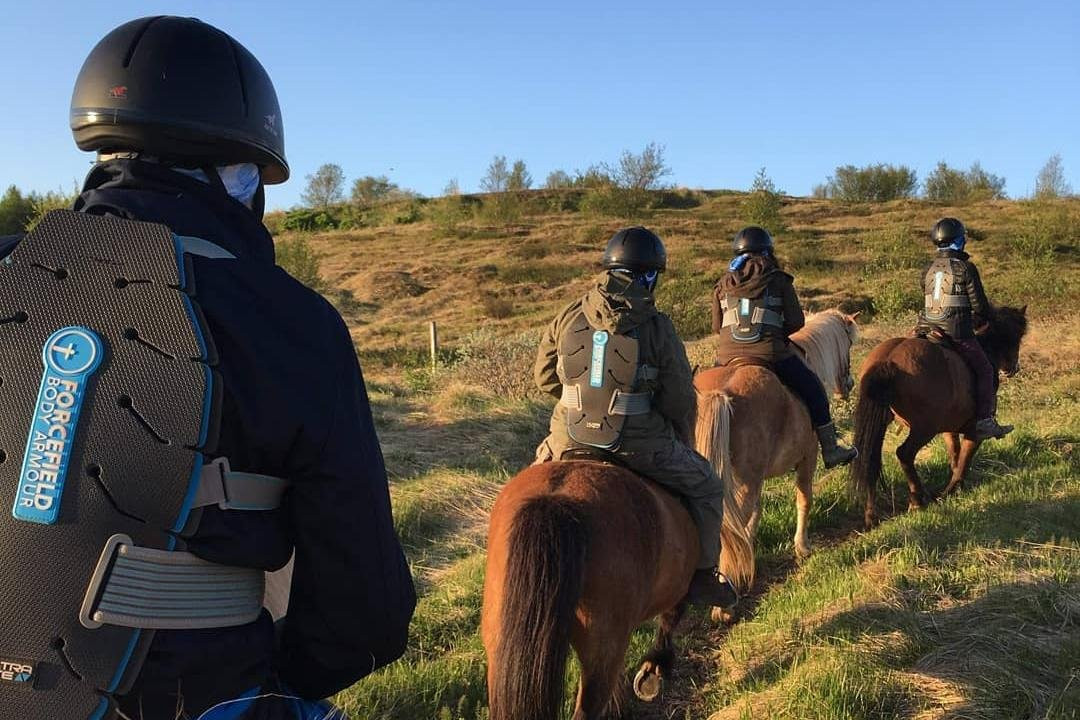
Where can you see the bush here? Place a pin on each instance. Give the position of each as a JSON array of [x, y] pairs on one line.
[[951, 185], [557, 180], [762, 204], [53, 200], [615, 201], [872, 183], [501, 365], [15, 211], [504, 208], [687, 300], [299, 259], [309, 220], [408, 213], [496, 307], [325, 187], [448, 212], [897, 298], [1045, 227], [894, 248]]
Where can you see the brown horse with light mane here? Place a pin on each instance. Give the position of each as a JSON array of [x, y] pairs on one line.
[[579, 554], [751, 427], [930, 390]]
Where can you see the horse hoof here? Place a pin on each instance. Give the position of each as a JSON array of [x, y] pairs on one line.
[[722, 616], [647, 682], [802, 552]]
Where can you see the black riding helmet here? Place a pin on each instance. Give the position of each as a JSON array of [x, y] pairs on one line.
[[180, 90], [752, 239], [636, 249], [947, 231]]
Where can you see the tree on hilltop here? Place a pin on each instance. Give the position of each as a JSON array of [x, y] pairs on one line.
[[325, 187]]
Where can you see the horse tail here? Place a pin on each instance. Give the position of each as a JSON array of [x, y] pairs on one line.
[[712, 436], [544, 579], [872, 415]]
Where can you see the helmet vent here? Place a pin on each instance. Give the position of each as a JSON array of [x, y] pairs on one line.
[[239, 75]]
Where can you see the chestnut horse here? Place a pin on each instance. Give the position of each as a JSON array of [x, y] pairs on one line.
[[930, 390], [579, 554], [751, 427]]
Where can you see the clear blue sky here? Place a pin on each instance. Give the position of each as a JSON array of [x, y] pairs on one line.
[[428, 91]]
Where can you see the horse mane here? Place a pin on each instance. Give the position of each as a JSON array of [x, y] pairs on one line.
[[826, 340], [1008, 325]]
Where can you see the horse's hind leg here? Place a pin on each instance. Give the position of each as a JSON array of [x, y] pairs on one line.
[[658, 663], [915, 441], [965, 454], [601, 655], [804, 498], [952, 448]]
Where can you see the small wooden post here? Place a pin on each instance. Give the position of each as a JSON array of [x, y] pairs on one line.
[[433, 334]]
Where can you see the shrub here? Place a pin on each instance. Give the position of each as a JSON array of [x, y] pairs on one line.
[[15, 210], [519, 179], [687, 300], [501, 365], [557, 180], [299, 259], [952, 185], [762, 204], [897, 298], [309, 220], [615, 201], [872, 183], [448, 212], [894, 248], [1044, 227], [641, 171], [52, 200], [408, 213], [503, 208], [497, 308]]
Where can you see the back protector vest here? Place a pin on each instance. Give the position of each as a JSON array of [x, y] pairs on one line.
[[109, 408], [600, 372], [946, 296], [751, 318]]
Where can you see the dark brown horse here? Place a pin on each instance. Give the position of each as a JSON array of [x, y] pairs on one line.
[[579, 554], [930, 390]]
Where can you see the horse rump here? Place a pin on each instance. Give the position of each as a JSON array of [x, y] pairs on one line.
[[544, 578]]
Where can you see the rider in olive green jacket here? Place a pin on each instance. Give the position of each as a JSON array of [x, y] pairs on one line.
[[645, 419]]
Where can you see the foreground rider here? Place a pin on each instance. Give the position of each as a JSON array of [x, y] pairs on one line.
[[754, 311], [625, 387], [954, 298], [187, 129]]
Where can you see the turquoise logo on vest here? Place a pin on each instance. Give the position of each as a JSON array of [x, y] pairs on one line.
[[596, 372], [71, 355]]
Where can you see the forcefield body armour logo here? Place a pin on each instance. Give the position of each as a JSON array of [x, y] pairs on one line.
[[17, 672], [71, 355]]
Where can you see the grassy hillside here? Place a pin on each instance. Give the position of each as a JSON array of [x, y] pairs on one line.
[[970, 609]]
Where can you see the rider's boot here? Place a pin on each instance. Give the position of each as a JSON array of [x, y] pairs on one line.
[[832, 453], [711, 587], [988, 428]]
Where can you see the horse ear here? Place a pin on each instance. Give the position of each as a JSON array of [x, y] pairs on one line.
[[851, 318], [1023, 311]]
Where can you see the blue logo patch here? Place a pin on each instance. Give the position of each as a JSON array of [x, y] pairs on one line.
[[71, 355], [596, 374]]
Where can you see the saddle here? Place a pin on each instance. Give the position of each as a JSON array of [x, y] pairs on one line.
[[592, 454], [935, 336], [744, 361]]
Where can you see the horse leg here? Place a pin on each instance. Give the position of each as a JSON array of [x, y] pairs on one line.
[[915, 441], [952, 448], [965, 455], [601, 655], [658, 663], [804, 498]]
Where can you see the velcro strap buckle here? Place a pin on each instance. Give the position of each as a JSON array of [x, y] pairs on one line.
[[571, 397], [139, 587], [624, 403], [763, 316], [229, 490]]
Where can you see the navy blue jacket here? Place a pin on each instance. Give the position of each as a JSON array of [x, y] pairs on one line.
[[294, 406]]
